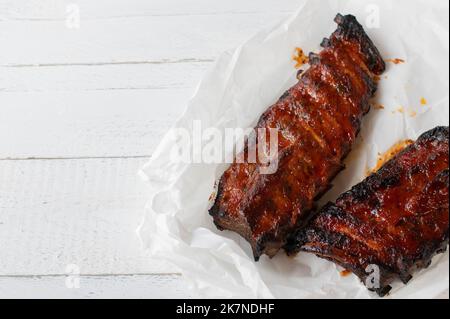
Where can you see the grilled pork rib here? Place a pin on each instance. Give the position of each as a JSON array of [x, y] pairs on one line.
[[396, 220], [317, 120]]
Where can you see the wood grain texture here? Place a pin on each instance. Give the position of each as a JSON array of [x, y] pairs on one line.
[[99, 105], [95, 102], [85, 212], [85, 111], [38, 10], [135, 39], [129, 286], [102, 77], [118, 286], [110, 123]]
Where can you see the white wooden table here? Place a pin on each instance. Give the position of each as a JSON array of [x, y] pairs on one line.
[[87, 89]]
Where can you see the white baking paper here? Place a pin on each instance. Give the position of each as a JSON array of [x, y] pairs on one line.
[[235, 92]]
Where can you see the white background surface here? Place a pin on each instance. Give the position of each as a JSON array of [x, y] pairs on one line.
[[81, 109]]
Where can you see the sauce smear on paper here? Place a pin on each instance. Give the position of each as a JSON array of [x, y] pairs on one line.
[[300, 58], [345, 273], [390, 153], [396, 61]]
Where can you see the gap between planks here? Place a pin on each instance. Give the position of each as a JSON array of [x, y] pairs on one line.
[[37, 276], [50, 10], [81, 212], [137, 16], [74, 158], [171, 39], [163, 61], [116, 286]]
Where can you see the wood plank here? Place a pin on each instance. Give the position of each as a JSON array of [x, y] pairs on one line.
[[137, 39], [110, 123], [101, 9], [85, 212], [110, 286], [102, 77], [137, 286]]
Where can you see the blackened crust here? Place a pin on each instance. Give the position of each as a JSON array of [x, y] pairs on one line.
[[396, 219], [349, 28], [318, 120]]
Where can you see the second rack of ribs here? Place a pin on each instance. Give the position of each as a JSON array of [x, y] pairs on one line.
[[390, 224], [317, 121]]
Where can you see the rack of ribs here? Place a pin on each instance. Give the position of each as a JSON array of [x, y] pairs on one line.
[[393, 222], [317, 121]]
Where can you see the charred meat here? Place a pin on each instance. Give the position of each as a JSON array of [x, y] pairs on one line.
[[390, 224], [317, 122]]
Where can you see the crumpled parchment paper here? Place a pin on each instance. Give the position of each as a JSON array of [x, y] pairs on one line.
[[236, 91]]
